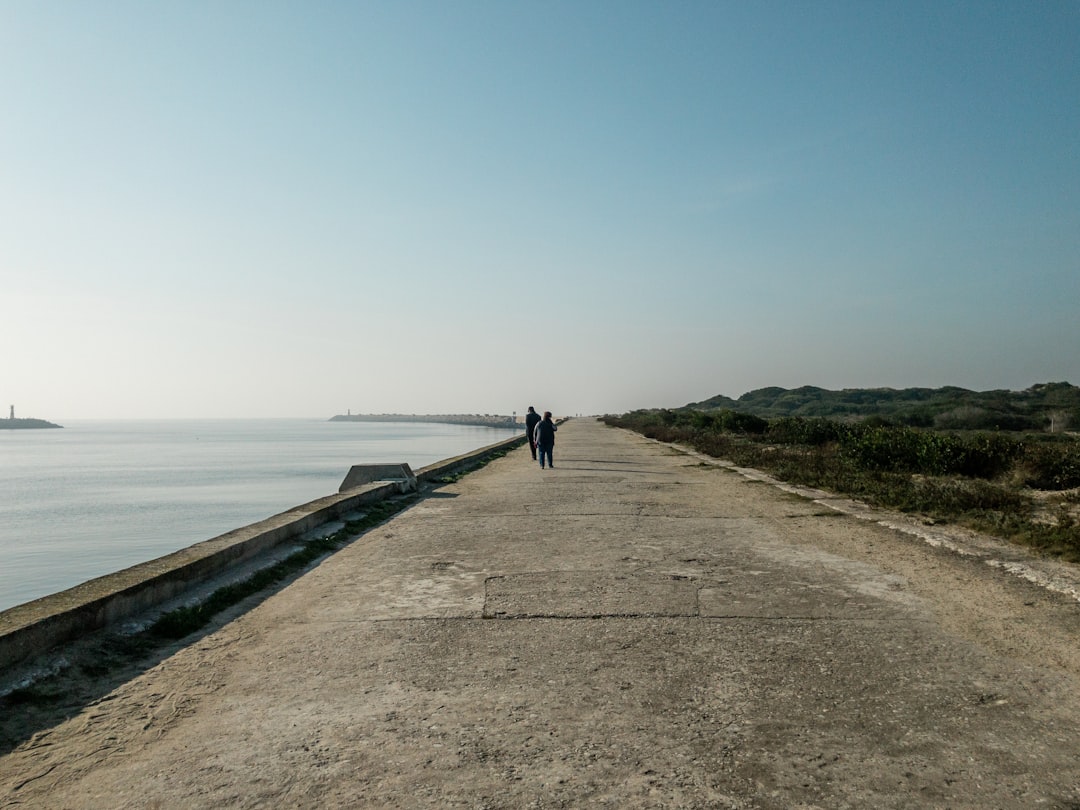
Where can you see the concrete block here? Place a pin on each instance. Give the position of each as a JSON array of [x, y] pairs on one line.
[[360, 474]]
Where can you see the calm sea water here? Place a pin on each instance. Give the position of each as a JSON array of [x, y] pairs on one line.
[[99, 496]]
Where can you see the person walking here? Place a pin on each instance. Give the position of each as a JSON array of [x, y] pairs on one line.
[[531, 420], [545, 439]]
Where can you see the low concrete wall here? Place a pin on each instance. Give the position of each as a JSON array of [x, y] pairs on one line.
[[452, 466], [35, 627]]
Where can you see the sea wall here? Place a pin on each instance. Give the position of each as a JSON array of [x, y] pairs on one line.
[[33, 628]]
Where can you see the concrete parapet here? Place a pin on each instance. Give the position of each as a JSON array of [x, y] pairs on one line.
[[451, 466], [33, 628], [360, 474]]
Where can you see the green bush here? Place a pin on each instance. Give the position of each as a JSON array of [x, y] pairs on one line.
[[902, 449], [1052, 466], [736, 422], [884, 449], [814, 432], [987, 455], [704, 420]]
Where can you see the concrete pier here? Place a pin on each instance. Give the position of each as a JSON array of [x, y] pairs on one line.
[[634, 628]]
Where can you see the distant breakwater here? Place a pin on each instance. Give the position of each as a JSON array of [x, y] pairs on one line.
[[26, 424], [475, 419]]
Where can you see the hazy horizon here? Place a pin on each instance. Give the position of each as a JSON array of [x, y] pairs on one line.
[[240, 210]]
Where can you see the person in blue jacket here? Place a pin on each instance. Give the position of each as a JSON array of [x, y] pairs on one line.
[[545, 439]]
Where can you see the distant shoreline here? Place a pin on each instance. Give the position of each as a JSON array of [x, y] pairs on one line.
[[26, 424], [479, 420]]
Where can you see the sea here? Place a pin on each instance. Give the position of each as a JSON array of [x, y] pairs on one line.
[[98, 496]]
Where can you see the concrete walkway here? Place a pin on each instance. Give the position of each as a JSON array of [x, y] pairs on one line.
[[630, 629]]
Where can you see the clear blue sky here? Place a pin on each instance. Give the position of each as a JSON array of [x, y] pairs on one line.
[[299, 208]]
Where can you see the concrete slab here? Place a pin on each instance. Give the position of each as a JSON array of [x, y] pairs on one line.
[[588, 594], [361, 474]]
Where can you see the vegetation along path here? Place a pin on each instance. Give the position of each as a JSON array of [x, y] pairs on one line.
[[635, 628]]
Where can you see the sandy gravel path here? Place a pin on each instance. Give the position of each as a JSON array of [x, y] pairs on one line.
[[632, 629]]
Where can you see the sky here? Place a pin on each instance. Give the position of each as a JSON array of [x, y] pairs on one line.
[[299, 209]]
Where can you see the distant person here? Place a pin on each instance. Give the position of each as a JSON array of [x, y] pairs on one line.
[[532, 418], [545, 439]]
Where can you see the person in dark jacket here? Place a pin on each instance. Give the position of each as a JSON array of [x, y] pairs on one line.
[[531, 419], [545, 439]]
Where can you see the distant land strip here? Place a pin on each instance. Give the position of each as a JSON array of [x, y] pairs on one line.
[[481, 420], [26, 424]]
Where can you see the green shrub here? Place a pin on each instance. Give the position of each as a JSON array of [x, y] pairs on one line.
[[1052, 466], [902, 449], [987, 455], [898, 449], [736, 422], [704, 420], [815, 431]]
